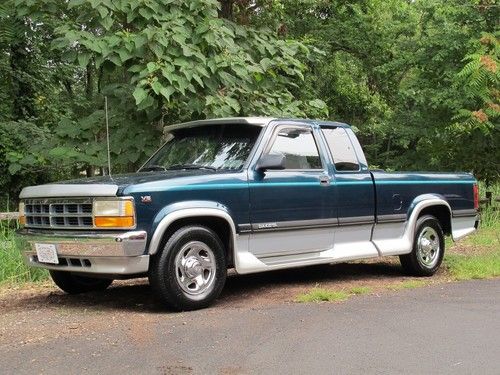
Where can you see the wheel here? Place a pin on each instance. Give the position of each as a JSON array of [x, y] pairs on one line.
[[428, 248], [75, 284], [190, 271]]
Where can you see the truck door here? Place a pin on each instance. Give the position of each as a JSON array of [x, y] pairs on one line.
[[352, 184], [289, 209]]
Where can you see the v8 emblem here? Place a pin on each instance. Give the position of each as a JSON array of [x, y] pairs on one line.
[[146, 199]]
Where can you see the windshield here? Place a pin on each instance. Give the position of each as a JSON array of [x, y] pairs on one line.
[[205, 147]]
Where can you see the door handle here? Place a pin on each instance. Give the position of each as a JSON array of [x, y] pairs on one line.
[[324, 180]]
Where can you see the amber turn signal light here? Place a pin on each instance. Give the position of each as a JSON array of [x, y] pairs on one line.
[[114, 221]]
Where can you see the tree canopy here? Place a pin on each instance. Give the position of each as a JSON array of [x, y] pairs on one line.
[[419, 80]]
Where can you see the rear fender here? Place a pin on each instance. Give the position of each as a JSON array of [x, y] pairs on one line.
[[388, 245]]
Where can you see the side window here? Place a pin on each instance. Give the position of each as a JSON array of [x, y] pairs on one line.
[[341, 148], [299, 148]]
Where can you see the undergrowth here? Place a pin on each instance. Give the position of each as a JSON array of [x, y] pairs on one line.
[[12, 268]]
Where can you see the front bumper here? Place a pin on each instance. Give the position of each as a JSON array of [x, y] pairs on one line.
[[111, 253]]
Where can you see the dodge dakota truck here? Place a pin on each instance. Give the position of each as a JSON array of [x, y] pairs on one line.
[[253, 194]]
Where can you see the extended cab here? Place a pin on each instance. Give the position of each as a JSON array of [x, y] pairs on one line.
[[253, 194]]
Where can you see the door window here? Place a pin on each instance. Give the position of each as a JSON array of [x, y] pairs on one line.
[[299, 148], [341, 148]]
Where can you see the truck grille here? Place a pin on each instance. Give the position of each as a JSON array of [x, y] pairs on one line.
[[59, 213]]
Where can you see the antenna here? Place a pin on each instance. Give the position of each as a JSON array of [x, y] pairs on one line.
[[107, 133]]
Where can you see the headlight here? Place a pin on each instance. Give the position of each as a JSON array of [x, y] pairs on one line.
[[22, 214], [114, 213]]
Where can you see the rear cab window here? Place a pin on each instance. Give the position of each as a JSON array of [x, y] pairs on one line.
[[342, 150]]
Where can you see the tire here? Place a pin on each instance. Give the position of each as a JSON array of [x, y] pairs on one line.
[[75, 284], [190, 271], [428, 248]]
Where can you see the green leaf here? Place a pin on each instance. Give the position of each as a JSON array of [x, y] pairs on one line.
[[75, 3], [124, 54], [166, 92], [140, 95], [14, 168], [265, 63], [107, 22], [156, 86], [152, 67], [103, 11]]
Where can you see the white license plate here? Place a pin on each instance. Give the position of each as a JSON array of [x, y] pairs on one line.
[[46, 253]]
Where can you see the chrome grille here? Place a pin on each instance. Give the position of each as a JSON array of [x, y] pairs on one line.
[[59, 213]]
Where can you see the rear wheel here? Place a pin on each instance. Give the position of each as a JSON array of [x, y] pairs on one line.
[[428, 248], [190, 271], [75, 284]]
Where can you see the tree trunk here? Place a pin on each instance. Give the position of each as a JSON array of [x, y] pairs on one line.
[[90, 171], [67, 85], [226, 9], [89, 82], [22, 90]]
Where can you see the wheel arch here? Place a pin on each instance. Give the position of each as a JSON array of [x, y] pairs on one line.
[[211, 215], [434, 205], [441, 213]]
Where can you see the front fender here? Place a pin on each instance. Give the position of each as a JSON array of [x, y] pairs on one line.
[[180, 210]]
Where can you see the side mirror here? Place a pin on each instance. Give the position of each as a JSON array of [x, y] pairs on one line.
[[271, 161]]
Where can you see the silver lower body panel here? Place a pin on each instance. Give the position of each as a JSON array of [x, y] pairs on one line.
[[97, 253], [110, 266]]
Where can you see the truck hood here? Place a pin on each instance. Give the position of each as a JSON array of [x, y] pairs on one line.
[[103, 186]]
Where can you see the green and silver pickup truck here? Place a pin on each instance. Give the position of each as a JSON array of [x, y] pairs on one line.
[[253, 194]]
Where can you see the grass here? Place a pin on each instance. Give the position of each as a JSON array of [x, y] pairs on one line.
[[13, 271], [487, 238], [407, 284], [482, 263], [466, 267], [329, 295], [323, 295], [358, 290], [490, 216]]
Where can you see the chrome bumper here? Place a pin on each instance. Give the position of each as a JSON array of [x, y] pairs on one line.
[[98, 253]]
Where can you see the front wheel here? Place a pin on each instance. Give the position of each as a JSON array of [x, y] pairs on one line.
[[428, 248], [190, 271], [75, 284]]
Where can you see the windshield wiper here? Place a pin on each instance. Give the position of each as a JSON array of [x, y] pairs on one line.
[[153, 168], [190, 166]]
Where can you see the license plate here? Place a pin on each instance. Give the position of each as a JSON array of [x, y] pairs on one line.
[[46, 253]]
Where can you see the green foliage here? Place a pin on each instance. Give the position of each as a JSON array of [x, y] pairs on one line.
[[13, 270], [418, 79], [187, 62], [490, 214], [21, 162], [476, 122]]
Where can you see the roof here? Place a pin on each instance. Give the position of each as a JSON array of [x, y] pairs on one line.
[[257, 121]]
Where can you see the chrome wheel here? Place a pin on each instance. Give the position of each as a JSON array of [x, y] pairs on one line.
[[428, 247], [195, 269]]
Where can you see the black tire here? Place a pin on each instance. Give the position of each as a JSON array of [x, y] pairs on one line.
[[425, 257], [76, 284], [191, 253]]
